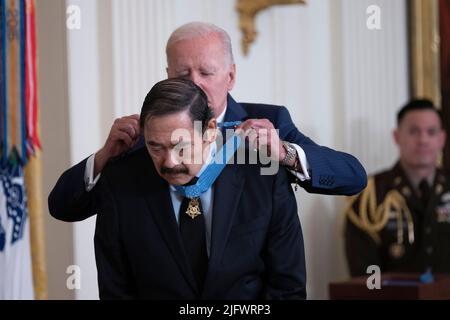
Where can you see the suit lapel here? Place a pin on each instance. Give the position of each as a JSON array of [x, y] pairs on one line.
[[156, 194], [227, 192], [235, 112]]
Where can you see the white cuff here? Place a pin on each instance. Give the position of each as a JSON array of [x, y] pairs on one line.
[[89, 180], [303, 163]]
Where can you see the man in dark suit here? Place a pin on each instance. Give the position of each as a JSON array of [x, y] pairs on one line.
[[202, 53], [238, 237]]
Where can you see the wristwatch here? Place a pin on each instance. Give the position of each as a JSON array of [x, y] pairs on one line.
[[291, 153]]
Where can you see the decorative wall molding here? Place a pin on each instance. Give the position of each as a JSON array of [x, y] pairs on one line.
[[248, 9]]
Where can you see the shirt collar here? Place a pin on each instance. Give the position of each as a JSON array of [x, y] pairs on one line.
[[209, 159], [221, 116], [414, 180]]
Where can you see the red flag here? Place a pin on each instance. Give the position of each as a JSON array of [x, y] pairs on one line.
[[31, 79]]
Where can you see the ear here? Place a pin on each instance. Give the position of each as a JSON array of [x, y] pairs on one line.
[[231, 77], [211, 131], [443, 138], [396, 136]]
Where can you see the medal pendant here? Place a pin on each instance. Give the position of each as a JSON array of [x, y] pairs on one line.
[[397, 250], [193, 209]]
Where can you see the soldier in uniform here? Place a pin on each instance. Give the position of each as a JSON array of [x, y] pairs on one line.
[[401, 221]]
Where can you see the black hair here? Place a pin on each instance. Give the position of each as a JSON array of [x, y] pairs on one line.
[[176, 95], [417, 104]]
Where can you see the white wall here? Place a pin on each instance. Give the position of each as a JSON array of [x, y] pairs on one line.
[[85, 126], [341, 82], [374, 80]]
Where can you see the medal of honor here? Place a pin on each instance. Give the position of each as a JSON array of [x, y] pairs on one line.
[[193, 209], [406, 192]]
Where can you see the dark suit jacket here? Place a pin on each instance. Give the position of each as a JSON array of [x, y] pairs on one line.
[[332, 172], [256, 248]]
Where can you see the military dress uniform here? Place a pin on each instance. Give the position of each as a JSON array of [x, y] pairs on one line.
[[398, 227]]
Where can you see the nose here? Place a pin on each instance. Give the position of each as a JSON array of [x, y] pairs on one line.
[[171, 159], [197, 79], [423, 138]]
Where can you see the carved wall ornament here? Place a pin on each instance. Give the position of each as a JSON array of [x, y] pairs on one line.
[[248, 9]]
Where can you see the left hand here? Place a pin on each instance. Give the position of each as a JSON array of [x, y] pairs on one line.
[[262, 134]]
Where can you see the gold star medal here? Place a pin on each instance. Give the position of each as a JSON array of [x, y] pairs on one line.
[[397, 250], [406, 191], [193, 209]]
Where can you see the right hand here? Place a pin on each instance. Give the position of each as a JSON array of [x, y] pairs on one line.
[[123, 136]]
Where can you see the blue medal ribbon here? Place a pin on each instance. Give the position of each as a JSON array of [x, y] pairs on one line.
[[213, 170], [231, 124]]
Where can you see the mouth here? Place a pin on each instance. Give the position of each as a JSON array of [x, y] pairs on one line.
[[424, 151], [173, 174], [178, 179]]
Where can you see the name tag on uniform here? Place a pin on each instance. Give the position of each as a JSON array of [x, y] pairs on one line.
[[446, 197], [443, 213]]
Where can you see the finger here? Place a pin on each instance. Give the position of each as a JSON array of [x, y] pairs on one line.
[[134, 119], [130, 121], [270, 135], [134, 116], [239, 132], [120, 123], [129, 129], [263, 137], [253, 140], [260, 130], [266, 123], [120, 129], [257, 123], [134, 142], [246, 125], [253, 144], [121, 136], [249, 132]]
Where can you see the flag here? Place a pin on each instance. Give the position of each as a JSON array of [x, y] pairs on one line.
[[20, 220], [15, 254]]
